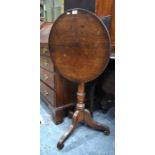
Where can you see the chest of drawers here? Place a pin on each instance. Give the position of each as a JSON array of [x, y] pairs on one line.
[[55, 90]]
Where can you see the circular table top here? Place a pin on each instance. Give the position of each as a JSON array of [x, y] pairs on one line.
[[79, 45]]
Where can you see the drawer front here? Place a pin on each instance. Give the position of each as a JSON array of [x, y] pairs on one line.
[[47, 77], [44, 51], [46, 63], [47, 93]]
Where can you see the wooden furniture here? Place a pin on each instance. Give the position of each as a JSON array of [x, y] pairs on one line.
[[80, 46], [105, 9], [54, 89], [100, 7]]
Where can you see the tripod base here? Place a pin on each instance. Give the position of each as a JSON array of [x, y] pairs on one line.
[[82, 115]]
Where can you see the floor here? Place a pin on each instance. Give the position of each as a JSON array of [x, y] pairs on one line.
[[84, 140]]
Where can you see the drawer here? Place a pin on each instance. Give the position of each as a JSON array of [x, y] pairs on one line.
[[47, 93], [44, 51], [46, 63], [47, 77]]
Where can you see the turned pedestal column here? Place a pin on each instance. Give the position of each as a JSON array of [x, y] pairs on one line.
[[80, 46]]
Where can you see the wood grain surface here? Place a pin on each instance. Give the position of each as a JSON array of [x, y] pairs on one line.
[[79, 45]]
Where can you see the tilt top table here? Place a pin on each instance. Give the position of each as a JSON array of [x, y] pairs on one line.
[[80, 46]]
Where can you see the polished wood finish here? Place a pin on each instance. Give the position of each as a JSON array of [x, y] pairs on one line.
[[80, 46], [81, 115], [83, 55], [55, 90], [100, 7], [46, 63], [48, 93], [47, 77], [105, 8]]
